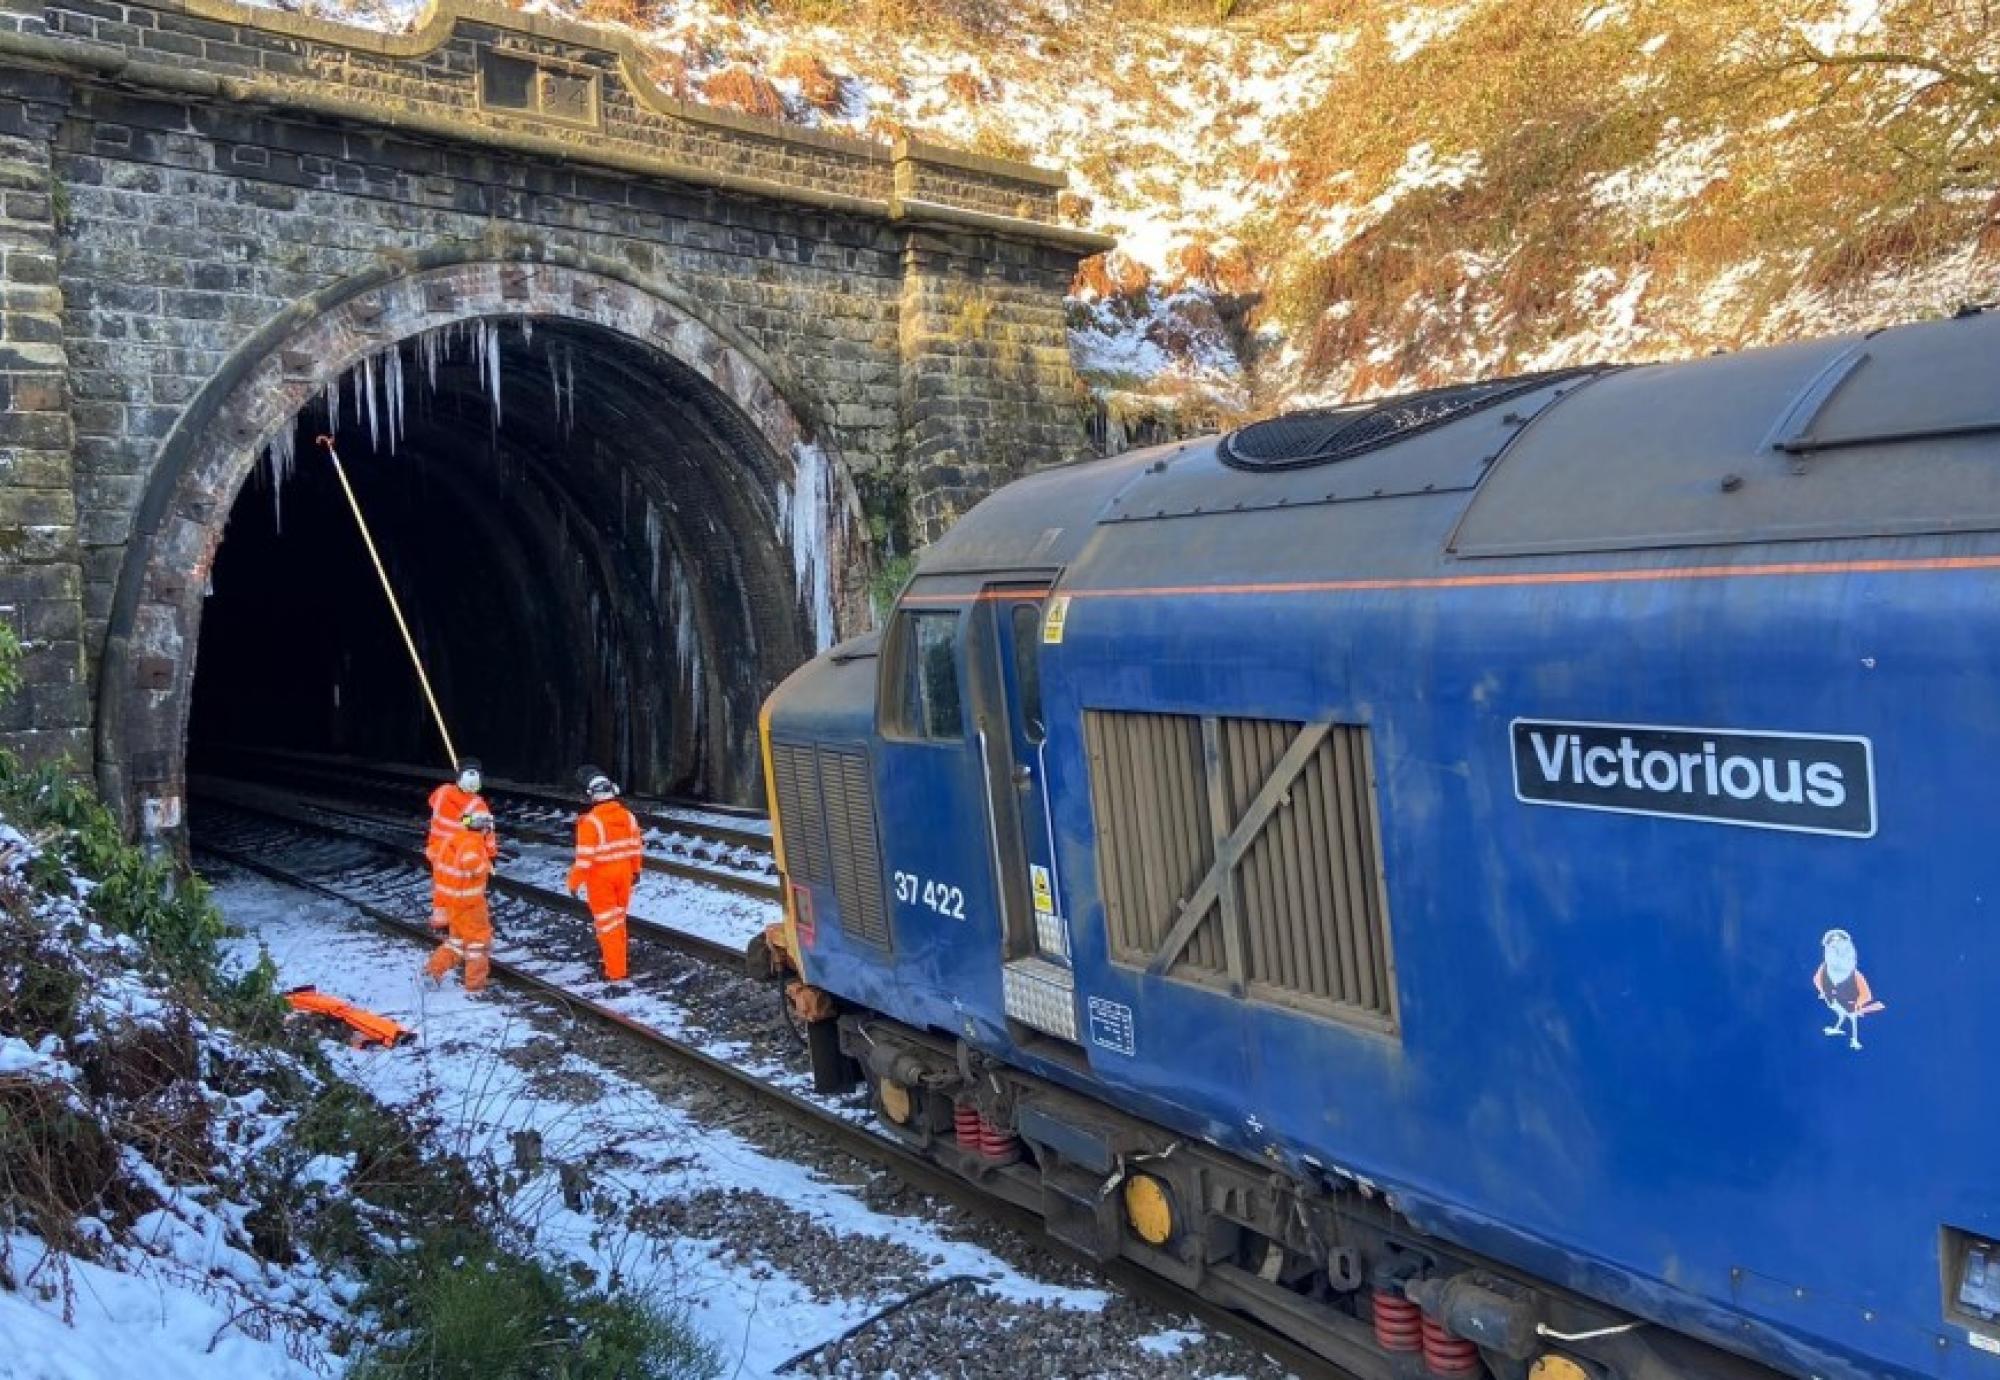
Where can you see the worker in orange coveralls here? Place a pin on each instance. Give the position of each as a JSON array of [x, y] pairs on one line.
[[461, 872], [450, 803], [610, 854]]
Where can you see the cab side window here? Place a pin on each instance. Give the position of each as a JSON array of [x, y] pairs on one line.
[[928, 653], [1027, 627]]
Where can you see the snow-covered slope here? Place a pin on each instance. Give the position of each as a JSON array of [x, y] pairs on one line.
[[1320, 197]]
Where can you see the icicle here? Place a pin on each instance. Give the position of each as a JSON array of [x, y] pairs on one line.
[[569, 390], [493, 372], [280, 456], [527, 330], [805, 519], [368, 392], [331, 392], [687, 639], [393, 381], [655, 529]]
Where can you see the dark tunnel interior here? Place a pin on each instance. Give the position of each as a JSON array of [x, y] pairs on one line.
[[591, 570]]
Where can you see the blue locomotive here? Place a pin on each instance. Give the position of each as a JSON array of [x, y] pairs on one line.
[[1502, 880]]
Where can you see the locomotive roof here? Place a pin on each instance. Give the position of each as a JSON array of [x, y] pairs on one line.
[[1890, 433]]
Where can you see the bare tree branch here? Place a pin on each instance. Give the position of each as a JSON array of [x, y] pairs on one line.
[[1985, 84]]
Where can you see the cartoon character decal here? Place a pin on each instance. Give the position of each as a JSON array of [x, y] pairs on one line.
[[1842, 987]]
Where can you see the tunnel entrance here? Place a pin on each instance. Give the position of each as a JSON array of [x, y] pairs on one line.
[[612, 530], [589, 543]]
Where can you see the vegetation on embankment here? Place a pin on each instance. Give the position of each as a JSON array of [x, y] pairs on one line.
[[1331, 196], [162, 1119]]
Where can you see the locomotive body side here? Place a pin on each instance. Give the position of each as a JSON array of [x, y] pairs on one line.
[[1564, 827]]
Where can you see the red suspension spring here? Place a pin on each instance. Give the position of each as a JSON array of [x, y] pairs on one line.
[[985, 1138], [998, 1145], [1399, 1326], [1445, 1354]]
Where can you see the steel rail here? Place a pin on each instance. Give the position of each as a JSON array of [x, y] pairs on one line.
[[753, 887], [693, 945], [850, 1136], [646, 807]]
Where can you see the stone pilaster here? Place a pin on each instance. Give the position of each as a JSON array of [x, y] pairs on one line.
[[988, 390], [40, 565]]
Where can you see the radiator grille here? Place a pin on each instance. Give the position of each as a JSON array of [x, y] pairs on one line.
[[826, 810], [1307, 888], [799, 812], [849, 790]]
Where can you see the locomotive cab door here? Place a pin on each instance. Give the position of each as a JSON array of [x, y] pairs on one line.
[[1038, 986]]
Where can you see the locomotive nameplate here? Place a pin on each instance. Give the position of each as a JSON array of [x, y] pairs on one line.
[[1805, 782]]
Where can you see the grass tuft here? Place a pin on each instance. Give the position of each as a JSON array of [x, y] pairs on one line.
[[457, 1309]]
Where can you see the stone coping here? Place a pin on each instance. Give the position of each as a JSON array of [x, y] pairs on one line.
[[440, 20], [441, 23]]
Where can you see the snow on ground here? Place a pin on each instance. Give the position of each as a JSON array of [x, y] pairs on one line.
[[176, 1284], [682, 905], [180, 1321], [489, 1073]]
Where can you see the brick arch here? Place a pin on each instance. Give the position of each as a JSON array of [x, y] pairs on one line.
[[146, 675]]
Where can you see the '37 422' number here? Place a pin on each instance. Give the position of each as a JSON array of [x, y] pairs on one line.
[[946, 900]]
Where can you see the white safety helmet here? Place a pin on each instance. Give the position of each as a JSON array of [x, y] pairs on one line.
[[469, 778]]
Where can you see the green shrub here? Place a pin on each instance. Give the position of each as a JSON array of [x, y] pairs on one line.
[[885, 584], [134, 893], [457, 1308], [10, 661]]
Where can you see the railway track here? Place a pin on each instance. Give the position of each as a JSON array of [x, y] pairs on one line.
[[747, 872], [405, 867], [827, 1121], [726, 826]]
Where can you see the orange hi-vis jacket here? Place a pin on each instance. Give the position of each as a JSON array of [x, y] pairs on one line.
[[459, 874], [459, 879], [610, 851], [449, 805]]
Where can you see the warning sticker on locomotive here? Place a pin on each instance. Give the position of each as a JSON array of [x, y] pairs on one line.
[[1807, 782], [1045, 897], [1057, 620], [1111, 1026]]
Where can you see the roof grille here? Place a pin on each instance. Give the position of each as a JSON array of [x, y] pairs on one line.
[[1325, 435]]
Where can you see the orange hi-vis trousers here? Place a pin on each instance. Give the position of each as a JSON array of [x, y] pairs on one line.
[[610, 854], [468, 940], [609, 899]]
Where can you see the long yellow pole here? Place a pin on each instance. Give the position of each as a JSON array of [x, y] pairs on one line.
[[409, 642]]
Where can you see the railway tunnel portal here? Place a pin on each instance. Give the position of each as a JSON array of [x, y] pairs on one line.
[[627, 387], [609, 530]]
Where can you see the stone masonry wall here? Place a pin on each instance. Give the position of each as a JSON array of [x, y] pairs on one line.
[[444, 72], [987, 379], [194, 227], [177, 178], [40, 573]]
